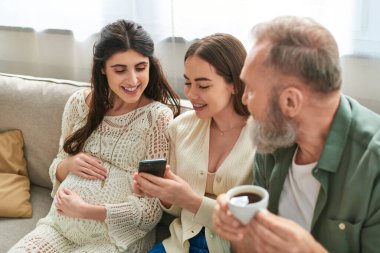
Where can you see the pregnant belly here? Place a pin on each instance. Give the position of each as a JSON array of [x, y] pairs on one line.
[[79, 231], [115, 189]]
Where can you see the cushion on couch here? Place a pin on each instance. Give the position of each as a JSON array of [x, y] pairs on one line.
[[11, 153], [14, 181], [14, 196]]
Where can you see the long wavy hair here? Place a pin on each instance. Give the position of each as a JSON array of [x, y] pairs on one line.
[[227, 55], [120, 36]]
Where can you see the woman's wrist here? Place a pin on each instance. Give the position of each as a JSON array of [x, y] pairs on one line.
[[93, 212], [193, 203]]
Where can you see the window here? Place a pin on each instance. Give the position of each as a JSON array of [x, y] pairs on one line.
[[354, 23]]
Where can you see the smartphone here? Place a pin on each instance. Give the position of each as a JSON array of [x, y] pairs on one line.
[[155, 167]]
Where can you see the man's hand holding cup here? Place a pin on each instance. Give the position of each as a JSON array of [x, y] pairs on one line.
[[236, 208]]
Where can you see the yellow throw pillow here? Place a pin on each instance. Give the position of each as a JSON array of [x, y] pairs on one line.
[[11, 153], [14, 196], [14, 181]]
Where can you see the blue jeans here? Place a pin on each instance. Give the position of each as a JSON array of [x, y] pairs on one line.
[[198, 244]]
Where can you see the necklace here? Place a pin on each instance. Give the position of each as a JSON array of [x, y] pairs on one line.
[[117, 139], [222, 132]]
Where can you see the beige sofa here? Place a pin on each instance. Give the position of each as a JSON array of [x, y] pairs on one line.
[[35, 106]]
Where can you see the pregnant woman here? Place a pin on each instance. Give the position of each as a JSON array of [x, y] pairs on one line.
[[106, 131]]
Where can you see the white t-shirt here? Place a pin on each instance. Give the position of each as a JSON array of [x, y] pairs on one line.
[[299, 194]]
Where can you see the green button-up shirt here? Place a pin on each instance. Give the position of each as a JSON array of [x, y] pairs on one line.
[[347, 213]]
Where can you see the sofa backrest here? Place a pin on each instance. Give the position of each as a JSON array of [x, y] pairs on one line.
[[35, 106]]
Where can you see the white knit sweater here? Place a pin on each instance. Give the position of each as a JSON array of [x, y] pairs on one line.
[[120, 142]]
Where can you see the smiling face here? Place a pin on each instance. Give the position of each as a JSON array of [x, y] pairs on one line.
[[127, 75], [208, 92]]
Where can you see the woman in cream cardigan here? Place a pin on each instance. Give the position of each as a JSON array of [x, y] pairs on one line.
[[210, 148]]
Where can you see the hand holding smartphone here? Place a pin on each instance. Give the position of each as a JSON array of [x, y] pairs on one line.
[[155, 167]]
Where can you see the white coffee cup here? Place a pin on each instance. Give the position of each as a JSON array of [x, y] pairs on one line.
[[239, 205]]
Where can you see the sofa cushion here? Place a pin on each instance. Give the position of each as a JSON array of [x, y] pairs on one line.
[[35, 106], [11, 153], [14, 196], [14, 181]]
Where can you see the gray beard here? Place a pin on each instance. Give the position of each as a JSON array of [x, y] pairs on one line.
[[271, 135]]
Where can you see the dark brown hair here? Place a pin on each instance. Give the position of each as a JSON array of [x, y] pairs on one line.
[[227, 55], [120, 36]]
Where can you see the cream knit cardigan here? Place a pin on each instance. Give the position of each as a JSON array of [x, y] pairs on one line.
[[189, 149]]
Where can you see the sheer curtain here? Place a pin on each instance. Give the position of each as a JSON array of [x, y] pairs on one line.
[[86, 17], [355, 23], [66, 29]]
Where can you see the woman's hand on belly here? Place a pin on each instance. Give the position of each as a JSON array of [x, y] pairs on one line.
[[83, 165], [69, 203]]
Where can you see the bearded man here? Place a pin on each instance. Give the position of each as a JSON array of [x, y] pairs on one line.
[[318, 150]]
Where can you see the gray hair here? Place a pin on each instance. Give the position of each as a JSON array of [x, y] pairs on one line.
[[303, 48]]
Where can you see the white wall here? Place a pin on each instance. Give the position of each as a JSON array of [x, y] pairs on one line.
[[361, 80]]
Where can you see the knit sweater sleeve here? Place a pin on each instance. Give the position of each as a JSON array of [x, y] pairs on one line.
[[70, 117], [132, 219], [171, 133], [139, 215]]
